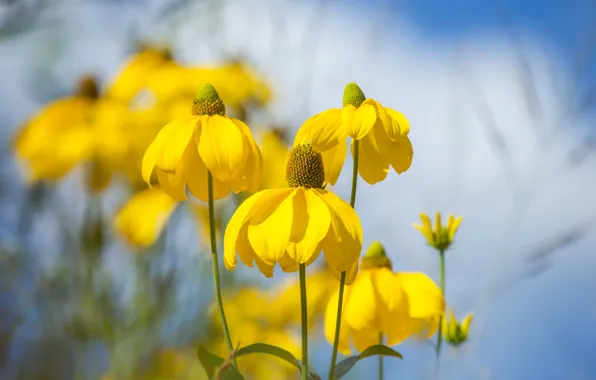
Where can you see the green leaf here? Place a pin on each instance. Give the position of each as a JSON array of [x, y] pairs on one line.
[[343, 367], [263, 348], [211, 363]]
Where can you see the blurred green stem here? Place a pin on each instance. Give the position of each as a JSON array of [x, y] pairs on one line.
[[304, 317], [215, 264], [442, 285], [342, 280], [380, 358]]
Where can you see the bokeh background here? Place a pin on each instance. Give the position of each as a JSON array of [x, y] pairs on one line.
[[500, 96]]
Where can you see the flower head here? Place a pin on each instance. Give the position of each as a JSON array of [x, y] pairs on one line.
[[291, 226], [380, 301], [440, 237], [455, 332], [207, 140], [382, 135]]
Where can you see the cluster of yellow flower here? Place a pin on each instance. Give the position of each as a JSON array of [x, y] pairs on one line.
[[291, 217]]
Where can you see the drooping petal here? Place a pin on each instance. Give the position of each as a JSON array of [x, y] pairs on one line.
[[266, 269], [310, 224], [363, 339], [331, 321], [333, 161], [221, 146], [235, 229], [143, 218], [384, 119], [179, 134], [323, 130], [424, 296], [358, 121], [172, 183], [372, 165], [361, 312], [195, 175], [404, 124], [400, 154], [270, 226], [343, 243], [250, 176]]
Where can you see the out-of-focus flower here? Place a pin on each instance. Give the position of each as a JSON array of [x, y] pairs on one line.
[[380, 301], [455, 332], [83, 128], [291, 226], [441, 237], [144, 217], [186, 149], [382, 134], [275, 153], [248, 312]]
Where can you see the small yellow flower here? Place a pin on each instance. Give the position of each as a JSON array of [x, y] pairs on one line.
[[382, 134], [440, 237], [185, 149], [291, 226], [395, 304], [144, 217], [275, 152], [454, 332]]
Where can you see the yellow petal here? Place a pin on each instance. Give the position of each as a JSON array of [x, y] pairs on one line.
[[172, 183], [372, 165], [327, 129], [221, 146], [270, 227], [400, 154], [454, 227], [426, 228], [363, 339], [179, 135], [250, 177], [235, 230], [403, 123], [331, 321], [363, 309], [333, 161], [310, 223], [438, 225], [424, 296], [465, 324], [358, 121], [194, 171], [143, 218], [343, 243]]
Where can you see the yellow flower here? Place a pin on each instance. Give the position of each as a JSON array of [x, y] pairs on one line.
[[454, 332], [291, 226], [382, 134], [144, 217], [380, 301], [441, 237], [275, 153], [82, 128], [186, 149]]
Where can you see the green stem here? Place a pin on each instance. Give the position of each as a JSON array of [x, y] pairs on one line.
[[380, 358], [304, 318], [442, 285], [215, 264], [342, 281]]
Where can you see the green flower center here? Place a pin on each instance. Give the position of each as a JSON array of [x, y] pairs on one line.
[[208, 102], [376, 257], [305, 167], [88, 87], [353, 95]]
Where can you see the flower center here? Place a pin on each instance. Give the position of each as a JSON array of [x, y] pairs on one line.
[[208, 102], [87, 87], [376, 257], [353, 95], [305, 167]]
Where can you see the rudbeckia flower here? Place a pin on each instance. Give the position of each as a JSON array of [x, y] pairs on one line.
[[380, 301], [440, 237], [291, 226], [185, 150], [381, 132], [455, 332]]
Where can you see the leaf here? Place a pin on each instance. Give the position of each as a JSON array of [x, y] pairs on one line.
[[343, 367], [211, 363], [263, 348]]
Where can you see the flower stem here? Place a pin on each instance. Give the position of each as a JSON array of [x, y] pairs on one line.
[[303, 313], [442, 285], [380, 358], [342, 280], [215, 265]]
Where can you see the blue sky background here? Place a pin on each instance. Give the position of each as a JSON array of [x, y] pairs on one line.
[[517, 196]]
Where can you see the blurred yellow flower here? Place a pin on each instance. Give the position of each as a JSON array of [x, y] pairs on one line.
[[275, 153], [83, 128], [291, 226], [382, 134], [248, 312], [144, 217], [186, 149], [441, 237], [455, 332], [380, 301]]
